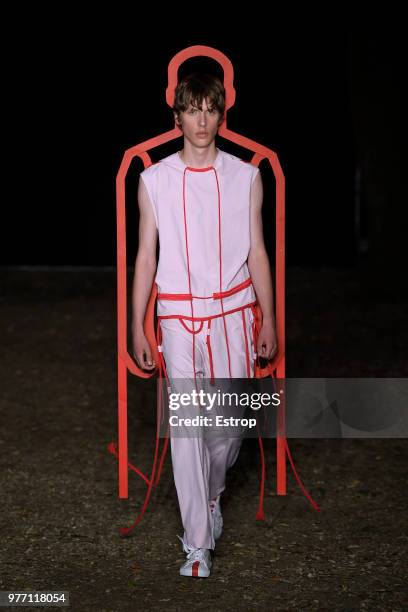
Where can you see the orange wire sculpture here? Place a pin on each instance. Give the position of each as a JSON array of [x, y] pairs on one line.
[[274, 368]]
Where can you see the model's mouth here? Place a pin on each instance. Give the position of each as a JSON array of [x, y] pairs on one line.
[[202, 134]]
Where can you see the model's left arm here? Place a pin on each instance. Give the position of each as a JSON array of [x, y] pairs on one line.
[[260, 271]]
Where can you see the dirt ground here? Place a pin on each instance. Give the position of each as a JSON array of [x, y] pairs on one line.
[[61, 514]]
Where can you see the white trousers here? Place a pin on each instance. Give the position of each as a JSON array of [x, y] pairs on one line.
[[200, 462]]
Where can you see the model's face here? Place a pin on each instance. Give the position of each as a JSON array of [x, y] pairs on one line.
[[200, 126]]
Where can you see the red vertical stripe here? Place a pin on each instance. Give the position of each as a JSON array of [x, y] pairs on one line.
[[194, 568]]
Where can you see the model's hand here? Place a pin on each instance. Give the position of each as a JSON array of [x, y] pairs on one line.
[[267, 344], [142, 352]]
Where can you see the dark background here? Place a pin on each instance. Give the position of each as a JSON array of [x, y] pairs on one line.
[[324, 91], [325, 95]]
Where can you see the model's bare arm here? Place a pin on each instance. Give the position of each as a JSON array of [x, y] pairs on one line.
[[260, 271], [145, 268]]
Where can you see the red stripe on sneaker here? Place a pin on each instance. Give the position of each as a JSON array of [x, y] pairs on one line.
[[194, 568]]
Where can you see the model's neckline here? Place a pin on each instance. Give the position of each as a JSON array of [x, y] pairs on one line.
[[213, 165]]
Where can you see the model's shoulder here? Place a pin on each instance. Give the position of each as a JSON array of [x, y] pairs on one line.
[[240, 164], [229, 157], [151, 170], [170, 162]]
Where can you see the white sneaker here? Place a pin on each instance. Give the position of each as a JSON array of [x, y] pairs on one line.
[[217, 517], [198, 563]]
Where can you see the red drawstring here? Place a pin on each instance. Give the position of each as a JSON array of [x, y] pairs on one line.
[[126, 531], [220, 256], [113, 449], [301, 485], [220, 259], [210, 352], [246, 344], [188, 265], [162, 368], [260, 514], [188, 272], [254, 340]]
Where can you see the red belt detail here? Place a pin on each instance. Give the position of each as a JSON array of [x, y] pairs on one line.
[[181, 316], [217, 295], [233, 290], [174, 296]]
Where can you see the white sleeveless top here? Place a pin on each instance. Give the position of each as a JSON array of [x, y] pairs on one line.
[[188, 204]]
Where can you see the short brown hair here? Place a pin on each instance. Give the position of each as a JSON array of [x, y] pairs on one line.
[[196, 87]]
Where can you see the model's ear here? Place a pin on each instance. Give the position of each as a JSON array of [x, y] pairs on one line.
[[177, 119]]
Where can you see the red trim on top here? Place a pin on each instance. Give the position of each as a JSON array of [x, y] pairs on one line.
[[200, 169], [220, 256], [188, 268]]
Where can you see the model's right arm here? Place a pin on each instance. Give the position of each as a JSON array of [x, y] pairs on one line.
[[145, 269]]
